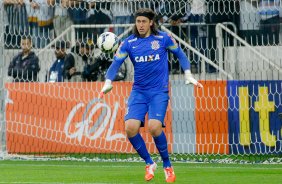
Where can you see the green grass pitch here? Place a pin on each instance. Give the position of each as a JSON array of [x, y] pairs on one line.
[[20, 171]]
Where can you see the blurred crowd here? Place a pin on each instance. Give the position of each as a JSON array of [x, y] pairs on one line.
[[257, 21]]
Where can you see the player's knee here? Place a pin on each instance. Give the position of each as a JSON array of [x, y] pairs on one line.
[[131, 128], [155, 130]]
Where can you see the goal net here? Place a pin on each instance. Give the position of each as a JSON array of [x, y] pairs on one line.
[[236, 117]]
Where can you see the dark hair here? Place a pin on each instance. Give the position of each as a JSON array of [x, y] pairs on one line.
[[60, 44], [26, 37], [150, 14], [87, 43]]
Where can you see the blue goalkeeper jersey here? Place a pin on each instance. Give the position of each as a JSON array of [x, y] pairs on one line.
[[150, 60]]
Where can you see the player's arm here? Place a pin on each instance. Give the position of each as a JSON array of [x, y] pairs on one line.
[[119, 58], [183, 60]]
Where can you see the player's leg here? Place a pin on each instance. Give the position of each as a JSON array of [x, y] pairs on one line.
[[132, 130], [157, 111], [135, 117], [155, 128]]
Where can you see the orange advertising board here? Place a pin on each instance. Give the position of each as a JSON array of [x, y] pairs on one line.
[[69, 118], [212, 118]]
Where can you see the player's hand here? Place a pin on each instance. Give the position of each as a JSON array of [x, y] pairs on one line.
[[189, 79], [106, 88]]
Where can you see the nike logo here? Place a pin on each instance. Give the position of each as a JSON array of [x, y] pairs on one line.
[[158, 115], [134, 47]]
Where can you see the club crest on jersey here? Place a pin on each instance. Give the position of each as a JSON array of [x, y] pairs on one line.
[[155, 45]]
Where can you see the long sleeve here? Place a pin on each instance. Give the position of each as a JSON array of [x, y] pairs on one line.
[[11, 69], [119, 58], [178, 52]]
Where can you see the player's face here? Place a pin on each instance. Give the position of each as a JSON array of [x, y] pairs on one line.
[[143, 25]]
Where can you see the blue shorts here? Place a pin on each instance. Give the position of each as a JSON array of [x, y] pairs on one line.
[[141, 102]]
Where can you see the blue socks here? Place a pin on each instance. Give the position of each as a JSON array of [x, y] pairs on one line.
[[161, 144], [140, 146]]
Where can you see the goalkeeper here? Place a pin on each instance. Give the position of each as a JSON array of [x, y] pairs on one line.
[[148, 49]]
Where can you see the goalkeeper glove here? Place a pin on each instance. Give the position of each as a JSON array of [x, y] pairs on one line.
[[189, 79], [106, 88]]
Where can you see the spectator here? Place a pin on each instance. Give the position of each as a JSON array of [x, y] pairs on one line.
[[121, 14], [90, 67], [269, 24], [223, 11], [250, 22], [218, 12], [84, 71], [78, 13], [104, 62], [40, 18], [82, 12], [24, 67], [16, 22], [101, 15], [62, 20], [63, 67], [171, 12], [198, 33]]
